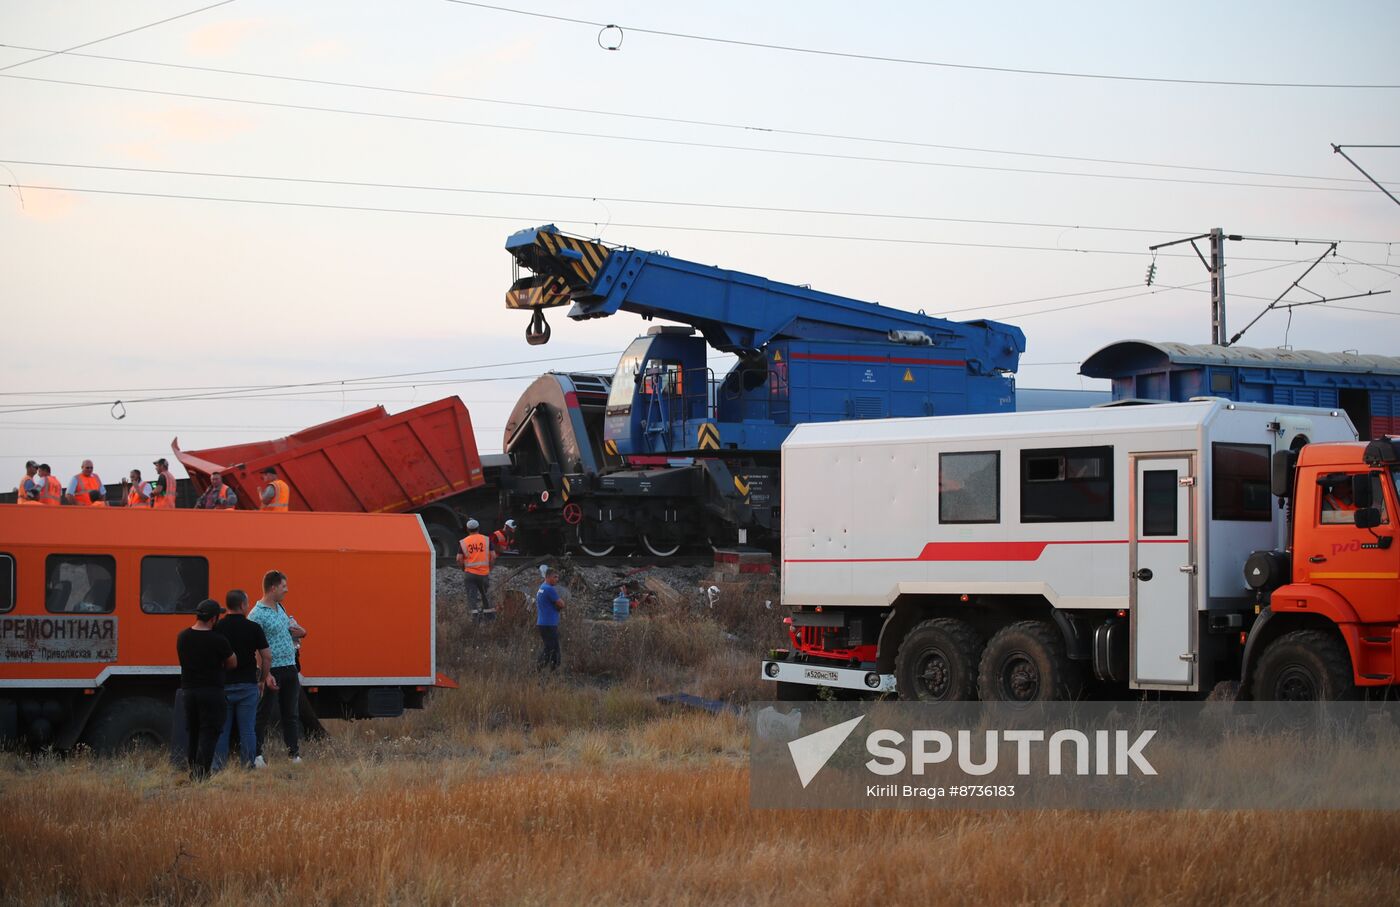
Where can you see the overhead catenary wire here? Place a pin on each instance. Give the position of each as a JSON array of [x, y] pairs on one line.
[[850, 55], [680, 143], [639, 226], [129, 31], [469, 190], [713, 124]]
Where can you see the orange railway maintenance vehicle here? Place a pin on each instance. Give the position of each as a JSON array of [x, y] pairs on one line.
[[91, 601]]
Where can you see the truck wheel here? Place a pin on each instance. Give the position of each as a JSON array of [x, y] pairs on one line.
[[1027, 662], [937, 662], [135, 722], [1304, 666], [446, 545]]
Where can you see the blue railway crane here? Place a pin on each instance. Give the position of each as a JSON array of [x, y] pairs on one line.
[[690, 456]]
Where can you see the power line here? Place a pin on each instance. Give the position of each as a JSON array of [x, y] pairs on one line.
[[335, 381], [913, 62], [714, 124], [713, 146], [637, 226], [602, 198], [117, 35]]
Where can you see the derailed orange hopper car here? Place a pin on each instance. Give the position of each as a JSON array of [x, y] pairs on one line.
[[91, 601]]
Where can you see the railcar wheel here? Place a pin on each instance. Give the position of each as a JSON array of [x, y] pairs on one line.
[[659, 548]]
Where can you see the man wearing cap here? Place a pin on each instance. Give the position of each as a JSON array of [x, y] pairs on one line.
[[476, 565], [82, 485], [204, 656], [138, 493], [276, 495], [163, 489]]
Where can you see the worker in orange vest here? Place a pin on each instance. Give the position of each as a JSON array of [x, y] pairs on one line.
[[27, 491], [82, 485], [503, 540], [476, 564], [138, 493], [163, 489], [97, 498], [276, 495], [217, 496], [50, 491]]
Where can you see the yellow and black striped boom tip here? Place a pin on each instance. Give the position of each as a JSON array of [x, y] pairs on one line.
[[576, 261], [537, 292]]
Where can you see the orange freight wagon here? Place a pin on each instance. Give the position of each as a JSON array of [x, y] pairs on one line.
[[91, 601]]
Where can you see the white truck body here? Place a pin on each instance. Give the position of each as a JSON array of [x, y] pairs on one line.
[[1150, 510]]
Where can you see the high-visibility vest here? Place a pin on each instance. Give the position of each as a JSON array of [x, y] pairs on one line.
[[19, 489], [477, 553], [98, 503], [281, 497], [221, 502], [133, 497], [85, 485], [52, 492], [498, 539], [166, 500]]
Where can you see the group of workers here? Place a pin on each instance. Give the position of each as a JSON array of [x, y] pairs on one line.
[[479, 553], [40, 487], [238, 664]]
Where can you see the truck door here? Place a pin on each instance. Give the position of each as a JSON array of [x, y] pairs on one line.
[[1161, 561]]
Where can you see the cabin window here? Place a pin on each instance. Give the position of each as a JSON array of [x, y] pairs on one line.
[[1159, 502], [1240, 482], [1338, 508], [80, 584], [173, 585], [969, 487], [7, 583], [1067, 485]]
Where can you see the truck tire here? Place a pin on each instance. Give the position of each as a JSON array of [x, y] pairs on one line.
[[132, 722], [446, 544], [1305, 666], [937, 662], [1027, 662]]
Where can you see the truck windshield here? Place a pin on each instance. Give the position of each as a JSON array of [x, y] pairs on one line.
[[624, 383]]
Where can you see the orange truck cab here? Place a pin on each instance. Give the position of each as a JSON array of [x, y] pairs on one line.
[[1329, 603], [91, 601]]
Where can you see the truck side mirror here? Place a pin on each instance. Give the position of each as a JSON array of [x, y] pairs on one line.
[[1367, 517], [1361, 491], [1281, 473]]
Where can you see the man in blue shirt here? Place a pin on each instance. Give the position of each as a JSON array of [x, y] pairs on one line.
[[547, 607]]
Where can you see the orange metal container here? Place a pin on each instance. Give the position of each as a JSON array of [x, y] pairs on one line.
[[367, 462]]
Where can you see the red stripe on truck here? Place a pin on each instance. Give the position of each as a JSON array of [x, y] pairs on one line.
[[977, 551]]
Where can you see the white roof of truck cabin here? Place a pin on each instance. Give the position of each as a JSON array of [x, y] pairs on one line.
[[1095, 420]]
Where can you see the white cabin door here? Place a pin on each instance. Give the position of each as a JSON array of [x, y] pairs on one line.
[[1162, 566]]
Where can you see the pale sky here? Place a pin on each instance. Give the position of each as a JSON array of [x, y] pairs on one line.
[[107, 295]]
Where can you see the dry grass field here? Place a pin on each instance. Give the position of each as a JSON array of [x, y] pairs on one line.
[[581, 789]]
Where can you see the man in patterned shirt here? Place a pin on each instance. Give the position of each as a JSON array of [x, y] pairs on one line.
[[283, 685]]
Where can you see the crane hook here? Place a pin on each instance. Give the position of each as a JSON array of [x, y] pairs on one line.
[[537, 332]]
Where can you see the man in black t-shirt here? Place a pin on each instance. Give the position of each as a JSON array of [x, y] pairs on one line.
[[204, 656], [241, 685]]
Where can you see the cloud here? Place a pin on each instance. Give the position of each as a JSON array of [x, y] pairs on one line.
[[222, 38]]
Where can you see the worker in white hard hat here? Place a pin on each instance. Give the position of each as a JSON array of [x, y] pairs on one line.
[[476, 565], [503, 539]]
